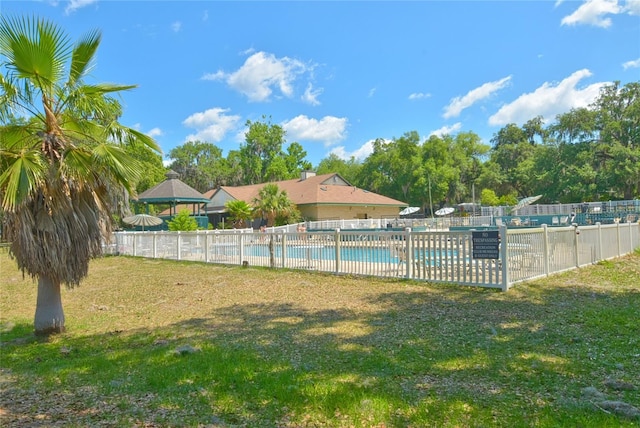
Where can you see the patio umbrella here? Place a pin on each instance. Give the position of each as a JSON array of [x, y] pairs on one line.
[[409, 210], [524, 202], [142, 220], [445, 211]]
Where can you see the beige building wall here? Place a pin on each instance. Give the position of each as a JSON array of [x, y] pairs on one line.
[[346, 212]]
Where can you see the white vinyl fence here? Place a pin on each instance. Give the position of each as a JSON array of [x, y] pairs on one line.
[[434, 256]]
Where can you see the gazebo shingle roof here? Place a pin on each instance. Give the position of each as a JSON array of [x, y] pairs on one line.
[[172, 190]]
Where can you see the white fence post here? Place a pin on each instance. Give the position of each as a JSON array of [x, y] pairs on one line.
[[545, 249], [619, 239], [504, 254], [408, 252], [284, 249], [206, 246], [599, 257], [154, 252], [178, 246], [134, 245], [576, 245], [336, 239]]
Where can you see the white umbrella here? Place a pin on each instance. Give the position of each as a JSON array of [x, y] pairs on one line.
[[524, 202], [143, 220], [409, 210], [445, 211]]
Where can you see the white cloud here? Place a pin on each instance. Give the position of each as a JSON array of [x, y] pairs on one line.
[[77, 4], [219, 75], [447, 130], [372, 92], [458, 104], [260, 73], [155, 132], [310, 95], [632, 7], [211, 125], [631, 64], [592, 12], [419, 95], [205, 15], [360, 154], [176, 26], [549, 100], [329, 130]]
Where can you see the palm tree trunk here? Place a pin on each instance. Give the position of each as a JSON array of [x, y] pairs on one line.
[[272, 252], [49, 316]]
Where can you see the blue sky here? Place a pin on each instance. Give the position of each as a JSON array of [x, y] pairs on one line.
[[337, 75]]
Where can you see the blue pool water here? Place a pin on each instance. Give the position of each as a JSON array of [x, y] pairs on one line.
[[357, 254]]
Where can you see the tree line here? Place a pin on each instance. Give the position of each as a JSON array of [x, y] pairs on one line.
[[586, 154]]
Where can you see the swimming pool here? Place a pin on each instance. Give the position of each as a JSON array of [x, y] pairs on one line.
[[355, 254]]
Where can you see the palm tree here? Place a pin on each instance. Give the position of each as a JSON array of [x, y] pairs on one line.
[[240, 212], [272, 203], [64, 167]]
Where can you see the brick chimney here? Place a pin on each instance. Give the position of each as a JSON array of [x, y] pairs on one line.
[[306, 174]]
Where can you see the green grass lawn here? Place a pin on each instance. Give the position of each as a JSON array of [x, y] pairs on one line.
[[159, 343]]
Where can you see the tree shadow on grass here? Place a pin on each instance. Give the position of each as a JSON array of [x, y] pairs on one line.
[[439, 357]]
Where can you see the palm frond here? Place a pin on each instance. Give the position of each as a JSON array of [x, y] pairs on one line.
[[83, 54], [25, 171], [36, 49], [105, 88], [129, 136], [118, 163], [17, 137]]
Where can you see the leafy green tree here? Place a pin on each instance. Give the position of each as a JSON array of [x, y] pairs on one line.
[[489, 198], [272, 203], [262, 158], [512, 147], [183, 222], [348, 169], [375, 174], [200, 165], [234, 171], [64, 170], [295, 160], [467, 151], [154, 169], [617, 118], [263, 144], [438, 171], [509, 199], [240, 212]]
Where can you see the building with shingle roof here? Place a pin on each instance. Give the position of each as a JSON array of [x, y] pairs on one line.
[[318, 197]]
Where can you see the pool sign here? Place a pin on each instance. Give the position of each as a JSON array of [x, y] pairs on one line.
[[486, 244]]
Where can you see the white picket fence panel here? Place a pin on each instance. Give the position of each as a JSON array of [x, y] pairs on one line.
[[435, 256]]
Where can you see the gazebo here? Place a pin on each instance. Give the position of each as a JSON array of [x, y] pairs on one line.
[[174, 192]]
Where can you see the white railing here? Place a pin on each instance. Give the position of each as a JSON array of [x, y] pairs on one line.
[[566, 209], [437, 223], [428, 255]]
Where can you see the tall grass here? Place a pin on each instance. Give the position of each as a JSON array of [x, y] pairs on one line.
[[161, 343]]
